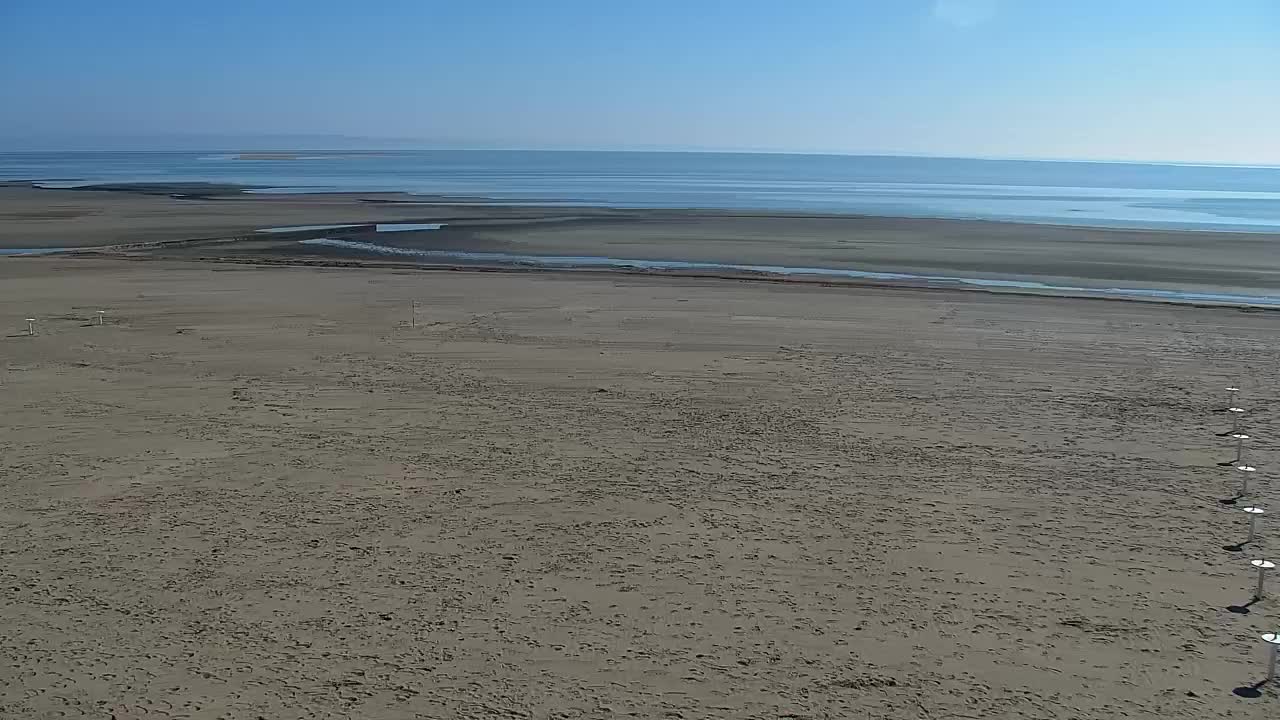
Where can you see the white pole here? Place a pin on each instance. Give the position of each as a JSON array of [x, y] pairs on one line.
[[1245, 471], [1236, 412], [1254, 512], [100, 314], [1240, 438], [31, 326], [1272, 639], [1263, 566]]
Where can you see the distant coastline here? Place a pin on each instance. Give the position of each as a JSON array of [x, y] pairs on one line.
[[267, 156], [327, 155]]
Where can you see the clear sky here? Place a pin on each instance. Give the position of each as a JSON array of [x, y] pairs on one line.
[[1105, 79]]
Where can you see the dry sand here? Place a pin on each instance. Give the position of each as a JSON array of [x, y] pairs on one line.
[[257, 492]]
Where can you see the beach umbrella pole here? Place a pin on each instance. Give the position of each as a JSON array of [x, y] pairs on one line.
[[1273, 640], [1263, 566], [1254, 512], [1245, 472]]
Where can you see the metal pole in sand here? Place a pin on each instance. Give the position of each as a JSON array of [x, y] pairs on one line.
[[1240, 438], [1232, 391], [100, 314], [1254, 512], [1263, 566], [1245, 471], [413, 314], [31, 326], [1236, 412], [1272, 639]]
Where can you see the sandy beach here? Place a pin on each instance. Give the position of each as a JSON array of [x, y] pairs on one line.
[[266, 492]]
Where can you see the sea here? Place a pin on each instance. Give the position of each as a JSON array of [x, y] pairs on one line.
[[1102, 194]]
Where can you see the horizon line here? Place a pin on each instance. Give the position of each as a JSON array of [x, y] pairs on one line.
[[636, 150]]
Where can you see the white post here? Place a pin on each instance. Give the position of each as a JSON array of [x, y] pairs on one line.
[[1263, 566], [1245, 471], [100, 314], [1236, 412], [1272, 639], [1240, 438], [31, 326], [1254, 512]]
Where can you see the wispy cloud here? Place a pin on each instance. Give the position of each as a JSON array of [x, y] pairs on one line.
[[964, 13]]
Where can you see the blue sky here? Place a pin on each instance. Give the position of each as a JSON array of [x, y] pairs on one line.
[[1104, 79]]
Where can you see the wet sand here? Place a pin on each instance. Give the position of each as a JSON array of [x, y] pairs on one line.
[[1236, 263], [39, 218], [260, 492]]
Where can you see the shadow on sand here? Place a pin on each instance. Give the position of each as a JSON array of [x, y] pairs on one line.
[[1250, 691], [1242, 609]]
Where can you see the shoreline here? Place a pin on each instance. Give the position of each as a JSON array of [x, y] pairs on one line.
[[184, 220], [660, 274], [214, 191]]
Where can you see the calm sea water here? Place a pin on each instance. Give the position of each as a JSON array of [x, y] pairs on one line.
[[1081, 193]]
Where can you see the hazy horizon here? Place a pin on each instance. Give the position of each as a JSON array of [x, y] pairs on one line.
[[656, 150], [252, 145], [1141, 81]]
